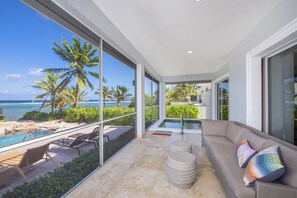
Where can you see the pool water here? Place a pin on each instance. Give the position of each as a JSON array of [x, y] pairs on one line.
[[175, 124], [21, 137]]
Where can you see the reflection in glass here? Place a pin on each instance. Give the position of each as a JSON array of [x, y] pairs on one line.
[[223, 100], [118, 133], [282, 92]]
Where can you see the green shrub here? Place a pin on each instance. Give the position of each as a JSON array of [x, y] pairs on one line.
[[84, 114], [57, 183], [174, 111], [225, 112], [42, 116]]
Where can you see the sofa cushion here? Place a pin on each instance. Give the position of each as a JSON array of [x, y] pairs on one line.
[[244, 153], [255, 141], [234, 132], [234, 175], [289, 157], [214, 127], [221, 149], [217, 139], [266, 166]]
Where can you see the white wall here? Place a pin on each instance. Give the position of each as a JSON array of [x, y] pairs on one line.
[[278, 18]]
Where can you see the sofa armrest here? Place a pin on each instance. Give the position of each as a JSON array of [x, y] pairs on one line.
[[273, 190], [214, 127]]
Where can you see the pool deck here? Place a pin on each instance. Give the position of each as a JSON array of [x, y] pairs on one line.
[[61, 155]]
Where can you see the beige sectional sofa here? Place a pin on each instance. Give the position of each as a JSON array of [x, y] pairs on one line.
[[219, 138]]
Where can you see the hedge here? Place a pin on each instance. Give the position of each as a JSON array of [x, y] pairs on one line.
[[83, 114], [174, 111], [58, 182]]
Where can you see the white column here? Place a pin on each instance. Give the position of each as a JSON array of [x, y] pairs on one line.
[[162, 100], [140, 128]]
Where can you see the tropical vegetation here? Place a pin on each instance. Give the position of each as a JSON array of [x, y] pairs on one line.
[[2, 117], [80, 59], [106, 93], [49, 86], [180, 93]]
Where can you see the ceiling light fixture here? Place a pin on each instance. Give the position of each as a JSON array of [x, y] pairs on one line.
[[197, 0], [190, 52]]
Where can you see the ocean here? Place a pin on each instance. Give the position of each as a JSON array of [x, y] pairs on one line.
[[15, 109]]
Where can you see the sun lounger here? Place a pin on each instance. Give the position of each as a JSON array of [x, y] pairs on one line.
[[77, 143], [93, 136], [23, 161], [4, 177]]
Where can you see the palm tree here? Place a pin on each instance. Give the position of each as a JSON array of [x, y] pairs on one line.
[[68, 97], [50, 87], [79, 59], [119, 94], [106, 93]]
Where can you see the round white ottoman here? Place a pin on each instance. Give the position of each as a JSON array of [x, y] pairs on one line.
[[181, 145], [181, 169]]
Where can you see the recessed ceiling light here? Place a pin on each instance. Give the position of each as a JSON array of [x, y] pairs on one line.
[[197, 0], [190, 52]]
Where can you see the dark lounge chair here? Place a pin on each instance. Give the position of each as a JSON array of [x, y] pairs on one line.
[[93, 136], [77, 143]]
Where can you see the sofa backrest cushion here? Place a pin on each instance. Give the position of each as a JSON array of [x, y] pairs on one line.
[[234, 132], [255, 141], [214, 127], [289, 157]]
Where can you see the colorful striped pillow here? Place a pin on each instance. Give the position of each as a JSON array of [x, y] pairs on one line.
[[266, 166], [244, 153]]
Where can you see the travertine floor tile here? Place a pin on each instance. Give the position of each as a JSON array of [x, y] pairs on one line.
[[138, 171]]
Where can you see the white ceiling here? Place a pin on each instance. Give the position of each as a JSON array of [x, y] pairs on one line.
[[163, 31]]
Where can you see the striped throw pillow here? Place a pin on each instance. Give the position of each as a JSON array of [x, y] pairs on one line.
[[244, 153], [266, 166]]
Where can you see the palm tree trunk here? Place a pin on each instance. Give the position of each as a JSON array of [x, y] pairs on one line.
[[76, 95], [53, 102]]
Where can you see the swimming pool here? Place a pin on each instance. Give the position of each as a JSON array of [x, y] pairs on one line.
[[21, 137], [175, 124]]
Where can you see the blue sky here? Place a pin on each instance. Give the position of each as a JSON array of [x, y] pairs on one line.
[[26, 41]]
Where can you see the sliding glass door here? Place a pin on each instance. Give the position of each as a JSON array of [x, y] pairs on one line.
[[151, 100], [223, 100], [282, 92]]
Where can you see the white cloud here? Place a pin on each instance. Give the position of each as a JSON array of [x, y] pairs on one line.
[[11, 77], [35, 71], [6, 91]]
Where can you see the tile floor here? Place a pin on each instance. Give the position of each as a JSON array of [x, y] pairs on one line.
[[138, 171]]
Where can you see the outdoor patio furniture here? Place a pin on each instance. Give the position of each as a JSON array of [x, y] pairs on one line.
[[77, 143], [181, 145], [93, 136], [181, 169], [219, 138], [23, 161], [4, 177]]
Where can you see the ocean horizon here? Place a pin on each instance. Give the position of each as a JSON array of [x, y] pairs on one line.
[[15, 109]]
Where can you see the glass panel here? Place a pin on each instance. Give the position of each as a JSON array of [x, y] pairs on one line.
[[282, 91], [119, 88], [148, 101], [223, 100], [46, 88], [155, 101], [117, 134], [192, 100]]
